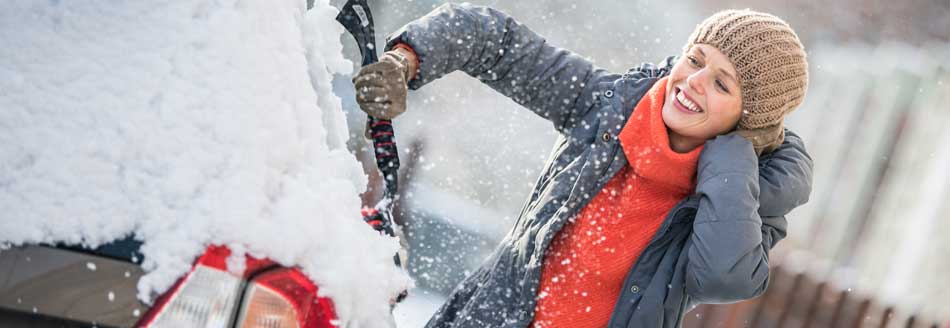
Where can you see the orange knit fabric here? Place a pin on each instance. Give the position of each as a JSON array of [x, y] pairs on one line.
[[587, 262]]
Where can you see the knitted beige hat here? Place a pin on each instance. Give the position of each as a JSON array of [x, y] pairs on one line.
[[773, 71]]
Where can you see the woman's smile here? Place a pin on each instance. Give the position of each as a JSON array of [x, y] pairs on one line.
[[685, 103]]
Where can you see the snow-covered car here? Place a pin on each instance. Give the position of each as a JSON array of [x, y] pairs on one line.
[[182, 164]]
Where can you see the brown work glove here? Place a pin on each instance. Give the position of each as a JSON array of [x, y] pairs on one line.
[[381, 86]]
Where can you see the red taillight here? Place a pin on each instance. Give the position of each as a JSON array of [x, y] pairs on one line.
[[284, 298], [209, 296]]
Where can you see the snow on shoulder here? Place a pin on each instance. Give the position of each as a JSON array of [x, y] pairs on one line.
[[187, 123]]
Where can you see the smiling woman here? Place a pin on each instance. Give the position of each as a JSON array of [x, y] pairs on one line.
[[646, 163]]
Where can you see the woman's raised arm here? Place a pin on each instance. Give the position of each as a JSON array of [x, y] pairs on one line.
[[515, 61]]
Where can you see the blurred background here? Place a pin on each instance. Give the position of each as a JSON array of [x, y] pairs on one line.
[[869, 249]]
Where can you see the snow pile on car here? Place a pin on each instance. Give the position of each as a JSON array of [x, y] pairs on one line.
[[187, 123]]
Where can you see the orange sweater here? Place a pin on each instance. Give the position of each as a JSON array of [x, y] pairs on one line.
[[585, 265]]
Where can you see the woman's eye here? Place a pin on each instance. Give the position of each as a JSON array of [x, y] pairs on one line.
[[722, 86], [693, 60]]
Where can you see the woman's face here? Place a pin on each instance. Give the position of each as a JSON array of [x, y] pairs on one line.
[[703, 99]]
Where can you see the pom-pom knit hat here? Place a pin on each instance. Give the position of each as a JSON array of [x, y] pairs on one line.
[[772, 68]]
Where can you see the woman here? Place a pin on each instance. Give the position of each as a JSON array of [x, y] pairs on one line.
[[667, 187]]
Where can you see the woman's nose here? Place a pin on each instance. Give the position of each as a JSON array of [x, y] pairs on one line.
[[694, 81]]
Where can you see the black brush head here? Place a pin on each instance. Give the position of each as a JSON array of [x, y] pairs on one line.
[[358, 20]]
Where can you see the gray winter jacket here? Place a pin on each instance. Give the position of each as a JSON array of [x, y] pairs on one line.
[[712, 247]]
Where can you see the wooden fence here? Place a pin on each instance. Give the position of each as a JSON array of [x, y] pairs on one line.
[[796, 300]]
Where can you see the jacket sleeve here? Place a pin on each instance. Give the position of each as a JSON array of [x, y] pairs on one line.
[[732, 235], [507, 56]]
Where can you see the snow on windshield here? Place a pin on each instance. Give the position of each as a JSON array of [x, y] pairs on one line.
[[187, 123]]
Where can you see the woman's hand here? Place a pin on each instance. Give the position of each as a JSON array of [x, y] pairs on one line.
[[381, 86]]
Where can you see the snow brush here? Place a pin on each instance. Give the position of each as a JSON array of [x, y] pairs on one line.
[[358, 20]]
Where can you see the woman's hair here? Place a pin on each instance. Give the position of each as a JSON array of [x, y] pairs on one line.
[[772, 67]]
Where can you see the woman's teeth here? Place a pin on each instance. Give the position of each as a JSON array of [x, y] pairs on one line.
[[687, 103]]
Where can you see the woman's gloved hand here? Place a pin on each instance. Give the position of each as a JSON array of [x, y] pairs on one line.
[[381, 86]]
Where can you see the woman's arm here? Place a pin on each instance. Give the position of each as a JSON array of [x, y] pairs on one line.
[[491, 46], [732, 233]]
